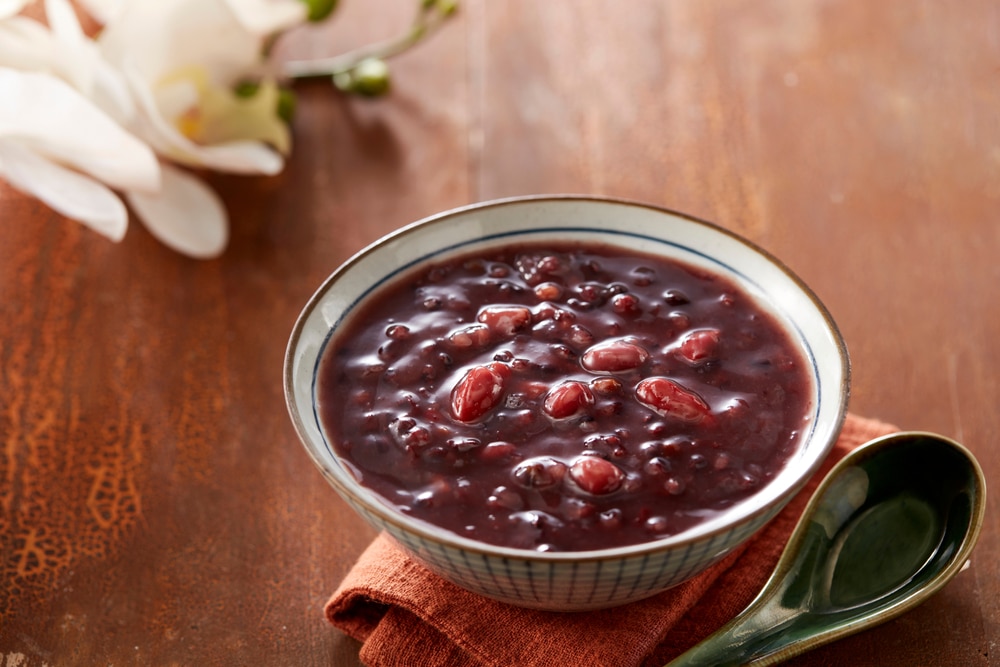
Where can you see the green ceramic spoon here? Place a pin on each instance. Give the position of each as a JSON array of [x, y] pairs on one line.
[[889, 526]]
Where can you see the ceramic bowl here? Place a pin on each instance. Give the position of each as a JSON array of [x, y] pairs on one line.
[[572, 581]]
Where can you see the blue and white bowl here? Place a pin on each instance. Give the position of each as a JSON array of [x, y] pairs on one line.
[[572, 581]]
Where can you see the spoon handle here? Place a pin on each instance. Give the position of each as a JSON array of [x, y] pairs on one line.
[[762, 635]]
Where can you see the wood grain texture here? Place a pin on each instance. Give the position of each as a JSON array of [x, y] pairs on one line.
[[155, 506]]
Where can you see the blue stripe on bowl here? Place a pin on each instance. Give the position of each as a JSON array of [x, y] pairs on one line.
[[489, 568], [597, 580], [635, 580], [618, 580], [572, 583]]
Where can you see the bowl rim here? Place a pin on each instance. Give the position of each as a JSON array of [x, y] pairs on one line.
[[427, 531]]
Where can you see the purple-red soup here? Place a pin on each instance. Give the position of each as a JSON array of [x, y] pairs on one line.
[[563, 397]]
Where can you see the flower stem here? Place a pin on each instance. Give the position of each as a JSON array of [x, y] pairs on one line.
[[430, 16]]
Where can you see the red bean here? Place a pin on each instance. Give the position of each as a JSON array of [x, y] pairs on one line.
[[606, 386], [478, 392], [505, 320], [674, 486], [576, 509], [675, 297], [626, 304], [505, 498], [579, 336], [474, 336], [398, 332], [497, 451], [567, 399], [699, 345], [614, 357], [666, 397], [596, 475], [548, 291], [539, 473]]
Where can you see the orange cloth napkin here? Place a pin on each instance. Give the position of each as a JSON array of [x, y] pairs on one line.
[[405, 615]]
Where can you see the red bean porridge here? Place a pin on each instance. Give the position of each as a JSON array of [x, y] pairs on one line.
[[563, 397]]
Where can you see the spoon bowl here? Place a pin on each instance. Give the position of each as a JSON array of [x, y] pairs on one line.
[[890, 525]]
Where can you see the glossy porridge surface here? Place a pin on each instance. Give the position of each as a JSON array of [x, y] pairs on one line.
[[563, 396]]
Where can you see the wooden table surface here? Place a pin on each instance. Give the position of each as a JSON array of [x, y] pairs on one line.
[[155, 505]]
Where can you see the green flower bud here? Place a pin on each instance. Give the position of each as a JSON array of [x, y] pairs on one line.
[[320, 9], [285, 107], [447, 7], [370, 78], [246, 89], [286, 104]]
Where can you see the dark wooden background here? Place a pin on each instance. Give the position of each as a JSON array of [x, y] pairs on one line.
[[155, 505]]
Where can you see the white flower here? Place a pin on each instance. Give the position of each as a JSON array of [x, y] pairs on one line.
[[64, 51], [59, 147], [183, 59], [165, 71], [10, 7], [167, 85]]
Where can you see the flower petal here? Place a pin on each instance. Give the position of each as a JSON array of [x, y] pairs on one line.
[[102, 10], [186, 215], [82, 65], [157, 38], [10, 7], [74, 195], [266, 17], [29, 46], [63, 22], [110, 92], [26, 44], [59, 122]]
